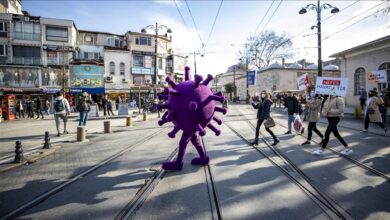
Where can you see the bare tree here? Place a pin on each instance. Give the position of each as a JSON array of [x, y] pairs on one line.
[[265, 48]]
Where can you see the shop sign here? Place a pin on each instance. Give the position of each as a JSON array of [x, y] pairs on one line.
[[378, 76], [86, 76], [19, 77]]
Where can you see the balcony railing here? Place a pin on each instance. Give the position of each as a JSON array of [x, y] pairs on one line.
[[27, 61], [27, 36]]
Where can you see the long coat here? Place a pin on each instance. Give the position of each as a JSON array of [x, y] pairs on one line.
[[314, 107], [264, 109], [374, 104]]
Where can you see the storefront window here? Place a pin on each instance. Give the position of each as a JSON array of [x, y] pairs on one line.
[[385, 66], [360, 80]]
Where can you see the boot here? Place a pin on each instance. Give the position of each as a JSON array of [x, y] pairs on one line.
[[255, 142], [200, 160]]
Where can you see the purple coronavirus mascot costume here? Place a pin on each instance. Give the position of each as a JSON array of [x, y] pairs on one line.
[[191, 107]]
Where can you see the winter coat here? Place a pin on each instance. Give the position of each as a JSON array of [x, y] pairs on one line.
[[66, 106], [333, 107], [314, 108], [373, 103], [292, 105], [263, 109], [84, 102]]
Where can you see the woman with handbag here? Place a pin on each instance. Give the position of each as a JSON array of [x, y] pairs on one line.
[[333, 110], [313, 107], [263, 115], [372, 113]]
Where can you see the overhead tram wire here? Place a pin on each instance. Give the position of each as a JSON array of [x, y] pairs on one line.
[[264, 16], [308, 29], [184, 21], [342, 29], [276, 9], [212, 28], [193, 20]]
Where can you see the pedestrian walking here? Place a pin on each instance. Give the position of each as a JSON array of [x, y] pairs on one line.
[[333, 110], [263, 114], [61, 112], [47, 107], [105, 105], [30, 109], [292, 107], [372, 113], [313, 107], [117, 101], [19, 109], [278, 100], [386, 104], [84, 106], [363, 98], [109, 107], [38, 107]]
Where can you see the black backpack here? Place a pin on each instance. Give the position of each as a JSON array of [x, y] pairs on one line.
[[59, 105]]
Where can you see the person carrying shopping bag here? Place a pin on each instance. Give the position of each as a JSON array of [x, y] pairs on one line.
[[372, 113], [312, 116], [263, 115], [333, 110]]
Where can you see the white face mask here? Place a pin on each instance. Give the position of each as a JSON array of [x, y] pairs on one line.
[[262, 95]]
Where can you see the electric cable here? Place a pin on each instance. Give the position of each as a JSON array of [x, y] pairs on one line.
[[212, 28], [264, 16], [193, 20]]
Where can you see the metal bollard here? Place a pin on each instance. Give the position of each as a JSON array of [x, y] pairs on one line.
[[19, 157], [128, 121], [107, 127], [47, 144], [145, 116], [81, 135]]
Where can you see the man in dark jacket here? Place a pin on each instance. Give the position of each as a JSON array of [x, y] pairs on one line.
[[292, 106], [38, 106]]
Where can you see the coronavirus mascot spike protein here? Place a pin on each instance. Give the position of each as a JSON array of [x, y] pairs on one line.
[[191, 108]]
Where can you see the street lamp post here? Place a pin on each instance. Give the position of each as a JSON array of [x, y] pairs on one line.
[[318, 8], [156, 29], [246, 70]]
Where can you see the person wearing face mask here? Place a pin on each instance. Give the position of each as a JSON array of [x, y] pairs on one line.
[[263, 113], [333, 110], [313, 106], [372, 113]]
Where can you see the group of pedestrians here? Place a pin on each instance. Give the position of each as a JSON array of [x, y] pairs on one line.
[[29, 108], [331, 107]]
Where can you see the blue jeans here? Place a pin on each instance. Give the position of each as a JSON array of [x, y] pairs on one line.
[[83, 118], [291, 119]]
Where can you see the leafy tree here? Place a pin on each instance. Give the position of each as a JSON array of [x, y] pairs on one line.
[[267, 47]]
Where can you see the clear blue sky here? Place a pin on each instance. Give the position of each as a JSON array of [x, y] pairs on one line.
[[237, 19]]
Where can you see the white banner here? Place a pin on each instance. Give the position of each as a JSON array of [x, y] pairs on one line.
[[332, 86], [123, 109], [302, 82], [377, 76]]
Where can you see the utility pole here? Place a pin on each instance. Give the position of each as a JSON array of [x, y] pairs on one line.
[[63, 70], [155, 62], [195, 63], [319, 63], [246, 69], [234, 83]]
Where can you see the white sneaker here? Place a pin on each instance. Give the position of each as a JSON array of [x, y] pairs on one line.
[[318, 152], [346, 151], [364, 131]]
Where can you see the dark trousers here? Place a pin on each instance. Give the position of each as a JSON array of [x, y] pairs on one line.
[[110, 110], [313, 127], [30, 113], [367, 122], [39, 112], [20, 112], [363, 103], [332, 127], [259, 122]]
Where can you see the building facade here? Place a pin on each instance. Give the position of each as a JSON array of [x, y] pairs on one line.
[[356, 62]]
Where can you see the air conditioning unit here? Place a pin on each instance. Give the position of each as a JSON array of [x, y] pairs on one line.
[[108, 79]]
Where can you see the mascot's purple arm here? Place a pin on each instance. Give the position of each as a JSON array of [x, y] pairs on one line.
[[191, 107]]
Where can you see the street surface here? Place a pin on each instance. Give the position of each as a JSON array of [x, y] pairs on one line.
[[102, 178]]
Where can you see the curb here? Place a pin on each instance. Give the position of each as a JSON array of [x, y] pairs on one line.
[[32, 158]]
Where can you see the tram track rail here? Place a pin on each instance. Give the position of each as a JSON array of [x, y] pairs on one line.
[[330, 207], [53, 191]]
